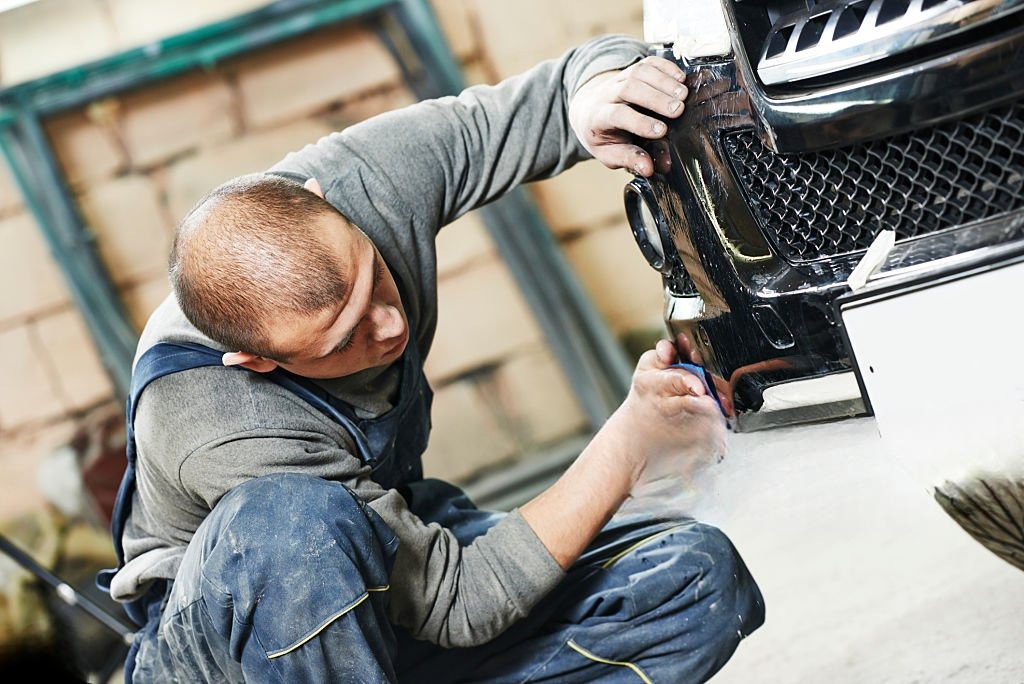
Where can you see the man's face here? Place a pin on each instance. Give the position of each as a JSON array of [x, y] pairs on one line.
[[365, 329]]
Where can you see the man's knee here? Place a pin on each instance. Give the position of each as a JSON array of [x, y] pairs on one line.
[[285, 548], [274, 527], [711, 602], [722, 584], [282, 501], [283, 561]]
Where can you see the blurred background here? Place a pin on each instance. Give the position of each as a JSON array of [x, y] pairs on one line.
[[116, 115]]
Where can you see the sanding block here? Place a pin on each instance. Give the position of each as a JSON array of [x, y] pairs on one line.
[[706, 378]]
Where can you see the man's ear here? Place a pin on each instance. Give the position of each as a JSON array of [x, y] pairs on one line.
[[313, 185], [250, 361]]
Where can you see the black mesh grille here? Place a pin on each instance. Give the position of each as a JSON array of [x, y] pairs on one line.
[[825, 204]]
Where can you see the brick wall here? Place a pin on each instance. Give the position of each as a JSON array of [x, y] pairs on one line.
[[136, 163]]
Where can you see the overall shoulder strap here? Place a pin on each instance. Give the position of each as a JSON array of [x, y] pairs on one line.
[[159, 360], [166, 358]]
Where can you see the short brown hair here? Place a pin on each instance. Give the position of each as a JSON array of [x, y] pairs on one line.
[[250, 249]]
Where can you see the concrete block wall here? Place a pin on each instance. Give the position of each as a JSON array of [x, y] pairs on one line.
[[138, 161]]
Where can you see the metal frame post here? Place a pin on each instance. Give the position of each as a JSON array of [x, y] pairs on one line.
[[71, 243]]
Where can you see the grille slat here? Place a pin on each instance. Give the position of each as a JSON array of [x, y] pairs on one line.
[[829, 36], [826, 204]]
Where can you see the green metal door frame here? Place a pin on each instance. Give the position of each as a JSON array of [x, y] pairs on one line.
[[594, 362]]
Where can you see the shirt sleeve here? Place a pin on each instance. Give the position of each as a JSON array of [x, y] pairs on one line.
[[441, 158], [459, 596]]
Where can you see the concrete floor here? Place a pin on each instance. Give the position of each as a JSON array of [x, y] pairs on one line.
[[865, 578]]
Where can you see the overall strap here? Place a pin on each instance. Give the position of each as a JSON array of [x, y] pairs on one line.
[[158, 361]]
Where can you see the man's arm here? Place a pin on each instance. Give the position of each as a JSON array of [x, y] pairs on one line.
[[667, 425], [464, 596], [421, 167], [438, 159], [240, 427]]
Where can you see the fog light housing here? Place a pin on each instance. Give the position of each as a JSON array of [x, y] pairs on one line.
[[649, 226]]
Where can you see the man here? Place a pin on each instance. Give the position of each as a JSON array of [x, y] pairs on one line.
[[277, 526]]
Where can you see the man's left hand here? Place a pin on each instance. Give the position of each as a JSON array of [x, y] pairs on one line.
[[606, 112]]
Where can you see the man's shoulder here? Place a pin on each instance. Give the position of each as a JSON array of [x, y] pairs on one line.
[[167, 323], [198, 407]]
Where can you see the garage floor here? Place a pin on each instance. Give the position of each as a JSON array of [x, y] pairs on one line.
[[865, 578]]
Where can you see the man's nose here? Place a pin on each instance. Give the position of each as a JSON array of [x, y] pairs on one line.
[[387, 322]]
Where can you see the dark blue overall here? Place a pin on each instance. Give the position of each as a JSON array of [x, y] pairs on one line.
[[286, 580]]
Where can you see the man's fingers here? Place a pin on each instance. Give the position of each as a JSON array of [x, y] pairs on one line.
[[648, 361], [672, 382], [666, 66], [662, 356], [666, 353], [681, 382], [615, 110], [654, 91], [625, 156], [622, 117]]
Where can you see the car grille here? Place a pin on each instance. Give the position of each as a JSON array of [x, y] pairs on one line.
[[828, 36], [825, 204]]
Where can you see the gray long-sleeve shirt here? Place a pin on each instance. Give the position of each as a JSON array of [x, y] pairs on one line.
[[399, 177]]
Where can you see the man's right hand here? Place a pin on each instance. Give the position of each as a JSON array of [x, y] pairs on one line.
[[673, 425]]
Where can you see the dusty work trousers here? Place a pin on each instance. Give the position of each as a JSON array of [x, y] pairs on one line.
[[286, 581]]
